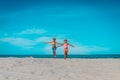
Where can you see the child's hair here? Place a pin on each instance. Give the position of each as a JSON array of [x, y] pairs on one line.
[[54, 38], [65, 39]]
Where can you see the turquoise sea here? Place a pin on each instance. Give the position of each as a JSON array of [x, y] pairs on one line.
[[61, 56]]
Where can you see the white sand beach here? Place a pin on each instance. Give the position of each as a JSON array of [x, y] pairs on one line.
[[59, 69]]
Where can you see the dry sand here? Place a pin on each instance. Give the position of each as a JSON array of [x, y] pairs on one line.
[[59, 69]]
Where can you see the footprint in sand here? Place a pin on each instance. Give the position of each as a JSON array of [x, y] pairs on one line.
[[7, 77]]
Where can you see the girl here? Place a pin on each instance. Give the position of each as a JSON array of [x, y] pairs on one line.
[[66, 48]]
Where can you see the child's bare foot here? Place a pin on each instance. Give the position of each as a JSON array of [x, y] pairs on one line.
[[54, 57], [64, 57]]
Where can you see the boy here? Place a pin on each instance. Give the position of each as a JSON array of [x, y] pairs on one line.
[[53, 42]]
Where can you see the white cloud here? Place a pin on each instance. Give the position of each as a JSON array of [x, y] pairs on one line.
[[21, 42], [80, 49], [43, 39], [32, 31], [27, 43]]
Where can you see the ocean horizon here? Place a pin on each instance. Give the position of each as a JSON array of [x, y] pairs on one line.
[[62, 56]]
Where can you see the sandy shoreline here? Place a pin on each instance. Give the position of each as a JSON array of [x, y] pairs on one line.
[[59, 69]]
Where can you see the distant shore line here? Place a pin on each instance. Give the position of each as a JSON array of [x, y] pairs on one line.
[[61, 56]]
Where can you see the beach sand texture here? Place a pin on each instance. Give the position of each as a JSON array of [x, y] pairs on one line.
[[59, 69]]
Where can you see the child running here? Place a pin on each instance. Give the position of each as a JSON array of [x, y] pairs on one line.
[[65, 44], [53, 42]]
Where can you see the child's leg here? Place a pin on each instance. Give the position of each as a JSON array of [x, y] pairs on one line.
[[54, 53], [65, 54]]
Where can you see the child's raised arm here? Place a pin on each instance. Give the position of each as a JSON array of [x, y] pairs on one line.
[[71, 45], [60, 45], [47, 42]]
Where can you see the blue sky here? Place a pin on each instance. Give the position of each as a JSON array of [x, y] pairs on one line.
[[92, 26]]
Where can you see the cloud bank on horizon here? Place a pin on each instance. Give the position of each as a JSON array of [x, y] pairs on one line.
[[29, 44], [92, 26]]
